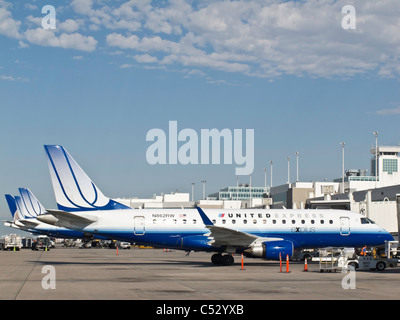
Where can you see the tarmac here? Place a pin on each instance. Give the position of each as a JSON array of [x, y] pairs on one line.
[[154, 274]]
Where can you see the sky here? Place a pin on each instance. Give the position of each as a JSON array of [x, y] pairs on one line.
[[298, 73]]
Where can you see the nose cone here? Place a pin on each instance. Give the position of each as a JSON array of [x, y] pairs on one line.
[[387, 236], [384, 235]]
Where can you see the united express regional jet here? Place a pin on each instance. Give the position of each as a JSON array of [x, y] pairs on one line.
[[264, 233]]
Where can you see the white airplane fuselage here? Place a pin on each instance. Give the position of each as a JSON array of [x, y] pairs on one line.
[[184, 228]]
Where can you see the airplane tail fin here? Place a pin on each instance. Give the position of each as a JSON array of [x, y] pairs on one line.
[[22, 211], [73, 189], [12, 205], [31, 205]]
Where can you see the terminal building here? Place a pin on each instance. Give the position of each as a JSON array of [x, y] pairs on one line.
[[238, 197], [374, 196], [173, 200]]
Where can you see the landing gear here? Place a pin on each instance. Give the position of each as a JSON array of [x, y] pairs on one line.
[[219, 259]]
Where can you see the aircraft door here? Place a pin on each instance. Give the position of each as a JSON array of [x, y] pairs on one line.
[[139, 226], [344, 226]]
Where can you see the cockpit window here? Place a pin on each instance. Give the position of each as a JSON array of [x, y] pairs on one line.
[[366, 221]]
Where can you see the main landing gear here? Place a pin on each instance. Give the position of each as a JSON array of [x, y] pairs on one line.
[[219, 259]]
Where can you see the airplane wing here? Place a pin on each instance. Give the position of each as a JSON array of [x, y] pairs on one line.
[[221, 236], [65, 219]]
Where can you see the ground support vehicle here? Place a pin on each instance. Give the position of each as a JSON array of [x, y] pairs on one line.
[[41, 243], [372, 263], [11, 242]]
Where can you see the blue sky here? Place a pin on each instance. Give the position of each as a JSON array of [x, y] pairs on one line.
[[113, 70]]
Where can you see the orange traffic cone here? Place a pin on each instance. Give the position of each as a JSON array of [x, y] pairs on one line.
[[287, 263], [305, 265]]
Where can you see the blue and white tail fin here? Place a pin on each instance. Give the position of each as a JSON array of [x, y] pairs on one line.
[[12, 205], [31, 205], [73, 189], [22, 210]]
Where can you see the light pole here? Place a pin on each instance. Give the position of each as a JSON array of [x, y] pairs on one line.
[[193, 191], [204, 188], [271, 172], [297, 160], [250, 192], [376, 157], [342, 144], [265, 177], [288, 169]]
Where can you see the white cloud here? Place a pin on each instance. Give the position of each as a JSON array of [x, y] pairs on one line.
[[68, 25], [261, 38], [48, 38], [388, 112], [8, 26], [12, 78], [265, 38], [145, 58], [126, 66]]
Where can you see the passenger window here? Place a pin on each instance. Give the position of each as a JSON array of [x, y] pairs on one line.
[[214, 221], [293, 221], [244, 221], [322, 221], [155, 221], [194, 221], [233, 221], [312, 221], [284, 221], [330, 221], [223, 221], [184, 221], [255, 221], [274, 221], [265, 221], [303, 221]]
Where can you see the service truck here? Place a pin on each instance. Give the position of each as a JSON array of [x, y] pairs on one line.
[[11, 242], [41, 242]]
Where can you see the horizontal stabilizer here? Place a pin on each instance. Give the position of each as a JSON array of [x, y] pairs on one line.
[[66, 219], [30, 223]]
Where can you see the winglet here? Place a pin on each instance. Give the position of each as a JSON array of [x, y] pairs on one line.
[[203, 216]]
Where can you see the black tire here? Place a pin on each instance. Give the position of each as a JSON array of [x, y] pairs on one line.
[[216, 259], [227, 260], [380, 266]]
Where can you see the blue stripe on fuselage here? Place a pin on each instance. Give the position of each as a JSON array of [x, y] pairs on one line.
[[300, 240]]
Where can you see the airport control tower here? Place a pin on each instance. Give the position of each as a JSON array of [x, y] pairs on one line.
[[385, 162]]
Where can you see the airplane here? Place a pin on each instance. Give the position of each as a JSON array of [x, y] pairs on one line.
[[26, 208], [263, 233]]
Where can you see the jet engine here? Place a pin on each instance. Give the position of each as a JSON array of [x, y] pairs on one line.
[[270, 250]]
